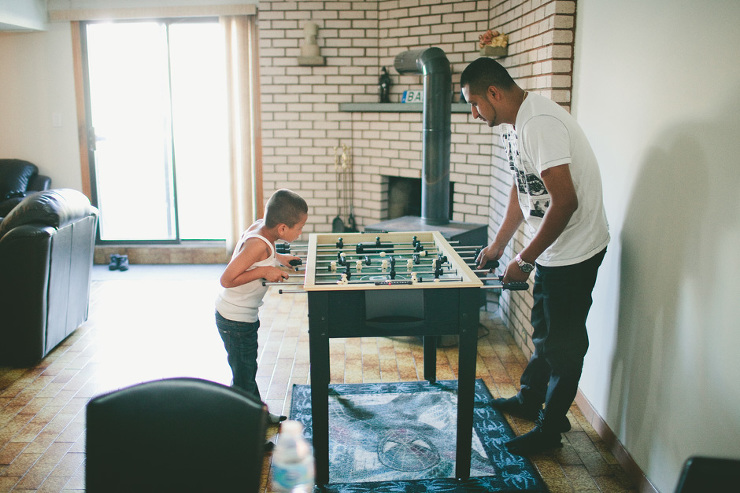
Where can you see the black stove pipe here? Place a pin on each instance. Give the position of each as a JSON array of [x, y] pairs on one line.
[[435, 190]]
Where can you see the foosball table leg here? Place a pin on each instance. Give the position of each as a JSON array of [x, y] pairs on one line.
[[318, 332], [430, 358], [468, 324]]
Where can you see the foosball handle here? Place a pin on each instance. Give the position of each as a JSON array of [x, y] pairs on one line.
[[296, 262], [516, 286], [490, 265]]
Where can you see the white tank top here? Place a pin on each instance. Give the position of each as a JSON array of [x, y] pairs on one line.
[[241, 303]]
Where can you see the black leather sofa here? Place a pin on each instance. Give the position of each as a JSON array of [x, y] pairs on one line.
[[18, 178], [46, 254]]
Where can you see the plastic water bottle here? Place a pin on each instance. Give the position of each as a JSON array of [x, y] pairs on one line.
[[292, 461]]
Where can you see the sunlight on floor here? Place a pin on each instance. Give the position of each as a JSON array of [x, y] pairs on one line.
[[146, 334]]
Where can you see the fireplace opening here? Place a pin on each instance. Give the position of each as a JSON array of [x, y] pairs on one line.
[[404, 197]]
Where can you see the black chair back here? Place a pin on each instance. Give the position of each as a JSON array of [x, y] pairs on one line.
[[709, 474], [175, 435]]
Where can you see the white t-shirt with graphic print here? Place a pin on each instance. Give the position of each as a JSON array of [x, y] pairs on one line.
[[545, 136]]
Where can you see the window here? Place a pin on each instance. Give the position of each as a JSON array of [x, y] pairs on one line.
[[157, 114]]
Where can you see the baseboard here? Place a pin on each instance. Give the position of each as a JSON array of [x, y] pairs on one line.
[[164, 254], [633, 471]]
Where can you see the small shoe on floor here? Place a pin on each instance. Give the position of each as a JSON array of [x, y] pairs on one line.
[[274, 419], [535, 442], [118, 262], [515, 407]]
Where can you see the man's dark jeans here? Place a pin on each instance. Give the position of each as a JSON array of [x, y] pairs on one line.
[[562, 299]]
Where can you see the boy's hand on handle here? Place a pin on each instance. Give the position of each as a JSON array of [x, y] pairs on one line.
[[275, 274]]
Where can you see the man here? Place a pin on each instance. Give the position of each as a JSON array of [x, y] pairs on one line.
[[557, 191]]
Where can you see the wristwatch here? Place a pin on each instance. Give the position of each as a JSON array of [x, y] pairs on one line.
[[525, 266]]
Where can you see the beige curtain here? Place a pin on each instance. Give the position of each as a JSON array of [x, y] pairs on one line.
[[245, 148]]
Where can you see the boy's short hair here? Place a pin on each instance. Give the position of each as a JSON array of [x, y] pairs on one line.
[[285, 207], [483, 73]]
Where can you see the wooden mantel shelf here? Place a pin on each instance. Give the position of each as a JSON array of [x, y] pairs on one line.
[[397, 107]]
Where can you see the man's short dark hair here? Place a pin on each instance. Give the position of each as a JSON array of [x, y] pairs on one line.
[[483, 73], [285, 207]]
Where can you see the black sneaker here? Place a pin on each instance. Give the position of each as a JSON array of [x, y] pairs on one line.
[[515, 407], [562, 424], [123, 263], [274, 419], [536, 441]]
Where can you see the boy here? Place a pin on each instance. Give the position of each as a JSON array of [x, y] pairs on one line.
[[254, 260]]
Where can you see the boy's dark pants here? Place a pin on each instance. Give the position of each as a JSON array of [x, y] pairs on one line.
[[562, 299], [240, 341]]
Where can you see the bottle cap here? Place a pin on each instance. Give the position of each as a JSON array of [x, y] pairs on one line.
[[291, 427]]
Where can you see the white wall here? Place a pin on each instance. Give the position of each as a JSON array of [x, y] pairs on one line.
[[37, 101], [22, 15], [657, 90]]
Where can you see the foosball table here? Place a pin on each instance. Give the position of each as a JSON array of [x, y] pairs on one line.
[[392, 284]]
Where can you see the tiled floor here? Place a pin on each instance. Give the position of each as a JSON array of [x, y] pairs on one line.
[[146, 326]]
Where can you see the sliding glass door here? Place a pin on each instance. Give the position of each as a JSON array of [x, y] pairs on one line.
[[158, 129]]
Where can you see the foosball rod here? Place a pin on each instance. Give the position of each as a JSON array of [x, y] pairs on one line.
[[375, 246], [361, 257], [378, 251], [414, 240], [454, 243], [284, 283], [381, 282], [374, 249], [398, 272], [512, 286], [466, 249], [400, 260], [397, 266], [425, 254], [371, 271], [369, 283], [320, 248], [320, 264]]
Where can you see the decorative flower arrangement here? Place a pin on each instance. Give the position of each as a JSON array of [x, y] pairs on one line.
[[493, 43]]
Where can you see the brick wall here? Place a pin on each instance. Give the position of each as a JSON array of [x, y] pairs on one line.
[[302, 123]]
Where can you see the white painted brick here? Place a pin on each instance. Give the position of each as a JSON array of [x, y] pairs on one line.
[[356, 38]]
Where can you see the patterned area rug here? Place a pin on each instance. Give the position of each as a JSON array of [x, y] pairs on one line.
[[400, 437]]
